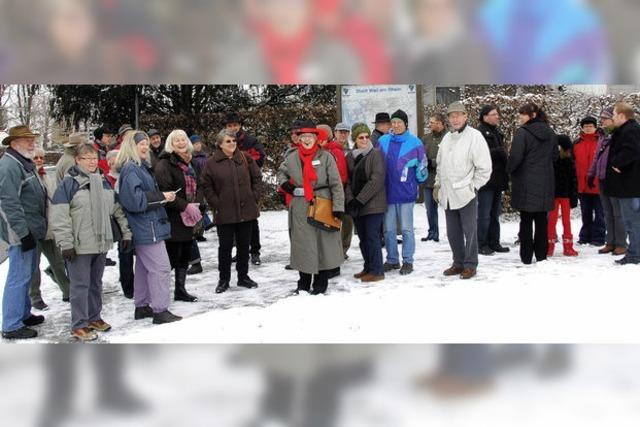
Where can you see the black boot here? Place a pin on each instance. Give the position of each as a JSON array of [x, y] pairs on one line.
[[223, 285], [181, 293], [165, 317], [304, 284], [320, 282]]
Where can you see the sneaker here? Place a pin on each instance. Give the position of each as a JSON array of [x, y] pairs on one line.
[[255, 259], [99, 325], [84, 334], [486, 250], [40, 305], [223, 285], [20, 334], [360, 275], [143, 312], [194, 269], [468, 273], [246, 282], [367, 278], [389, 266], [165, 317], [453, 271], [406, 269], [33, 320]]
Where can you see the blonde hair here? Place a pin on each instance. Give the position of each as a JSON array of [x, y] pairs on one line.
[[168, 144], [129, 149], [626, 109]]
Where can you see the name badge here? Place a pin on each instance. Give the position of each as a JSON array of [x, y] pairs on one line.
[[315, 162]]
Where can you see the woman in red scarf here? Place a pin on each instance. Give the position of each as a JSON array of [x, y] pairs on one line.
[[306, 173]]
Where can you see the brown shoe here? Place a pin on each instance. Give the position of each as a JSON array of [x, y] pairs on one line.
[[84, 334], [372, 278], [619, 251], [453, 271], [100, 326], [468, 273], [607, 249], [360, 275]]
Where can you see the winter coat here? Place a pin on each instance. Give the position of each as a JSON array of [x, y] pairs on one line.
[[66, 162], [431, 144], [375, 138], [499, 180], [624, 154], [464, 166], [170, 177], [598, 167], [584, 151], [530, 164], [405, 165], [338, 153], [72, 217], [251, 146], [313, 249], [566, 182], [143, 203], [23, 199], [366, 183], [231, 187]]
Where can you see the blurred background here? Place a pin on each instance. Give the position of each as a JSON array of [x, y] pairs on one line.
[[320, 385], [319, 41]]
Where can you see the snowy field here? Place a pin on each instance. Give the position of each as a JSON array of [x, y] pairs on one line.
[[587, 299]]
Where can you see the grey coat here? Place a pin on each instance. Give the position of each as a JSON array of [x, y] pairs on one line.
[[373, 195], [431, 142], [533, 151], [313, 249]]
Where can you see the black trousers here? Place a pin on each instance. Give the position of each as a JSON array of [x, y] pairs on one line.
[[320, 282], [255, 238], [179, 253], [533, 242], [126, 270], [241, 232]]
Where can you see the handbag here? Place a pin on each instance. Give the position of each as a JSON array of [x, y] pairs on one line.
[[320, 215]]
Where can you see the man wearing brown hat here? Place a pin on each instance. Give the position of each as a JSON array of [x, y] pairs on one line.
[[68, 159], [23, 221]]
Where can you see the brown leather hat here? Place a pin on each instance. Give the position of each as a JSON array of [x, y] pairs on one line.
[[20, 131]]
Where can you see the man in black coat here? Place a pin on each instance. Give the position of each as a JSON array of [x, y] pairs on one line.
[[490, 196], [252, 147], [623, 175]]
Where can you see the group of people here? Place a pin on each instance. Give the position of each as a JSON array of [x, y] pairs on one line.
[[152, 197]]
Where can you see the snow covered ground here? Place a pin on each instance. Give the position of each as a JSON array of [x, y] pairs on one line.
[[586, 299]]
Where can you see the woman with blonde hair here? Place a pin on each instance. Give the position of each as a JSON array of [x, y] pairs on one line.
[[144, 205]]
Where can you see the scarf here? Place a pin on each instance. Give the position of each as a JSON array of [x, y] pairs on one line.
[[309, 176], [189, 181], [364, 151], [101, 219]]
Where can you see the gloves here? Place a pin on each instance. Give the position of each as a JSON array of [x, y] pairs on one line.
[[338, 215], [126, 246], [591, 182], [68, 254], [288, 187], [28, 242], [191, 215], [354, 205]]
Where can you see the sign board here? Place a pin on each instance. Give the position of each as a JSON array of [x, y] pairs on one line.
[[361, 103]]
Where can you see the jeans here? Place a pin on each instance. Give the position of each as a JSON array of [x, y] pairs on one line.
[[489, 209], [593, 227], [631, 219], [403, 212], [16, 305], [368, 228], [432, 213]]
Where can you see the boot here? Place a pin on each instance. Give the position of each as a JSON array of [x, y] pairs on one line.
[[181, 293], [568, 250], [551, 247]]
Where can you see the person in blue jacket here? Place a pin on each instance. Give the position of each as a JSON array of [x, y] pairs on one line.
[[406, 168]]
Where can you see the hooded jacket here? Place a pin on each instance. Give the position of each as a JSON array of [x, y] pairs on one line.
[[405, 165]]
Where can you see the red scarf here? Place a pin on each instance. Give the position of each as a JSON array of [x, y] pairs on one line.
[[309, 176]]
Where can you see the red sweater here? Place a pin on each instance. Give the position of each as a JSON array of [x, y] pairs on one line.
[[584, 151]]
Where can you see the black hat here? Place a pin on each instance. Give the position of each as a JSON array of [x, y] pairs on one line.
[[588, 120], [232, 118], [297, 124], [306, 126], [382, 118], [402, 116], [486, 109]]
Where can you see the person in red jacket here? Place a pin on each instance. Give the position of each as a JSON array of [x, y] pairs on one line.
[[584, 150]]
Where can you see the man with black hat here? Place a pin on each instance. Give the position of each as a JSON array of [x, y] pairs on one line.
[[584, 150], [23, 221], [156, 145], [252, 147], [383, 125], [490, 195]]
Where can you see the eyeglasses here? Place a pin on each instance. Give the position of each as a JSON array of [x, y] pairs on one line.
[[89, 159], [229, 141], [38, 157], [306, 136], [364, 137]]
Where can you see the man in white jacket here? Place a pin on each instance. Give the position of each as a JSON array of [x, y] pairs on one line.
[[464, 165]]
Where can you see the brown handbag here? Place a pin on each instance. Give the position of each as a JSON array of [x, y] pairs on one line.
[[320, 215]]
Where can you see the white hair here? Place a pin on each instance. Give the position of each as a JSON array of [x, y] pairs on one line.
[[168, 145]]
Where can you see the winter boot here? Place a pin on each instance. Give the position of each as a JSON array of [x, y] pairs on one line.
[[568, 250], [181, 293], [551, 247]]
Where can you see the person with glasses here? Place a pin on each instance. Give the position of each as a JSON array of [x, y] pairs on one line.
[[47, 246], [231, 185], [81, 213], [367, 200]]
